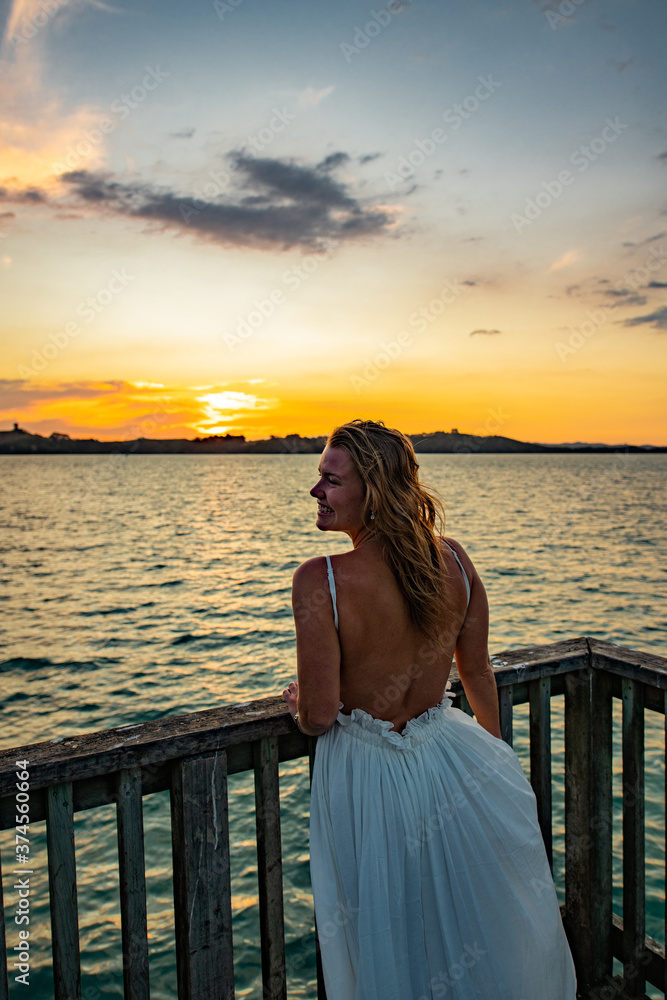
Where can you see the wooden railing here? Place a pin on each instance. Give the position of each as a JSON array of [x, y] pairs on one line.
[[192, 756]]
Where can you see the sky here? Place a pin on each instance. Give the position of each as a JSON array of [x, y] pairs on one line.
[[260, 218]]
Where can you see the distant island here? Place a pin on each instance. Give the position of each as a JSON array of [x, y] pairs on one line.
[[21, 442]]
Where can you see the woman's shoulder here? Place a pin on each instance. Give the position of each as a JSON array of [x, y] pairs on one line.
[[468, 564], [309, 570]]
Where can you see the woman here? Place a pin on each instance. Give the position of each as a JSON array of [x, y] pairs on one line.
[[429, 873]]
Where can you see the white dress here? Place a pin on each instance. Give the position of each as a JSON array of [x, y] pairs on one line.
[[429, 873]]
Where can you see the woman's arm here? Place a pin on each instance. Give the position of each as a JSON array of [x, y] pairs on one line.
[[472, 654], [317, 648]]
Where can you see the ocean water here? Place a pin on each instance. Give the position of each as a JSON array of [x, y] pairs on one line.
[[139, 587]]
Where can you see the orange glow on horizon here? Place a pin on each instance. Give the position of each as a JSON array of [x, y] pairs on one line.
[[512, 406]]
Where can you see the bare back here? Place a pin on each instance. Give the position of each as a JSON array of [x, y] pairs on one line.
[[388, 668]]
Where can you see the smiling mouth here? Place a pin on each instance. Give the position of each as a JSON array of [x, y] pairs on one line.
[[323, 509]]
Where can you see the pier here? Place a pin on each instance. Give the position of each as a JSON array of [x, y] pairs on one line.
[[192, 756]]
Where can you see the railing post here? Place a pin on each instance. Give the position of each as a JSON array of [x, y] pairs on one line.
[[62, 892], [270, 868], [132, 884], [202, 888], [601, 825], [587, 815], [634, 918], [539, 692], [506, 707]]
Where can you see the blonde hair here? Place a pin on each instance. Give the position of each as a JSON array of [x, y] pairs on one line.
[[406, 513]]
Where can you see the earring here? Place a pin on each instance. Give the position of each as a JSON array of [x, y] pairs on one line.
[[372, 515]]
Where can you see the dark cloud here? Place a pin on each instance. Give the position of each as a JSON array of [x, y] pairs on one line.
[[270, 203], [662, 156], [369, 157], [185, 133], [473, 332], [657, 284], [649, 239], [333, 161], [28, 196], [635, 300], [21, 393], [657, 319]]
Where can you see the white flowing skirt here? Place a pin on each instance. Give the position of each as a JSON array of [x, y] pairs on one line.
[[429, 873]]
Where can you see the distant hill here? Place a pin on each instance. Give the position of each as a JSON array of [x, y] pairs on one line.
[[20, 442]]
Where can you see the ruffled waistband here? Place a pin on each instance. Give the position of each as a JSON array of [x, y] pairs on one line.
[[366, 727]]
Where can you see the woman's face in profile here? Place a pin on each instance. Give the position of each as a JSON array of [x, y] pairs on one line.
[[339, 492]]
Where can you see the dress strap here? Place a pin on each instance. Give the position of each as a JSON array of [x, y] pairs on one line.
[[332, 588], [465, 575]]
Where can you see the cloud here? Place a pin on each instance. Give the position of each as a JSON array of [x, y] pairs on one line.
[[271, 203], [657, 319], [21, 393], [624, 294], [117, 410], [36, 128], [569, 257], [473, 332], [369, 157], [657, 284], [649, 239], [310, 98], [27, 18], [184, 133], [332, 161]]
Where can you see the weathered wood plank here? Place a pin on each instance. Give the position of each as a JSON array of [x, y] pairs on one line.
[[270, 869], [652, 960], [132, 884], [4, 983], [634, 921], [635, 663], [160, 740], [62, 893], [506, 708], [540, 756], [600, 852], [202, 887], [578, 888]]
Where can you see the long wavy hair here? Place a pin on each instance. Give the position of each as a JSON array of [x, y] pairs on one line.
[[407, 514]]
